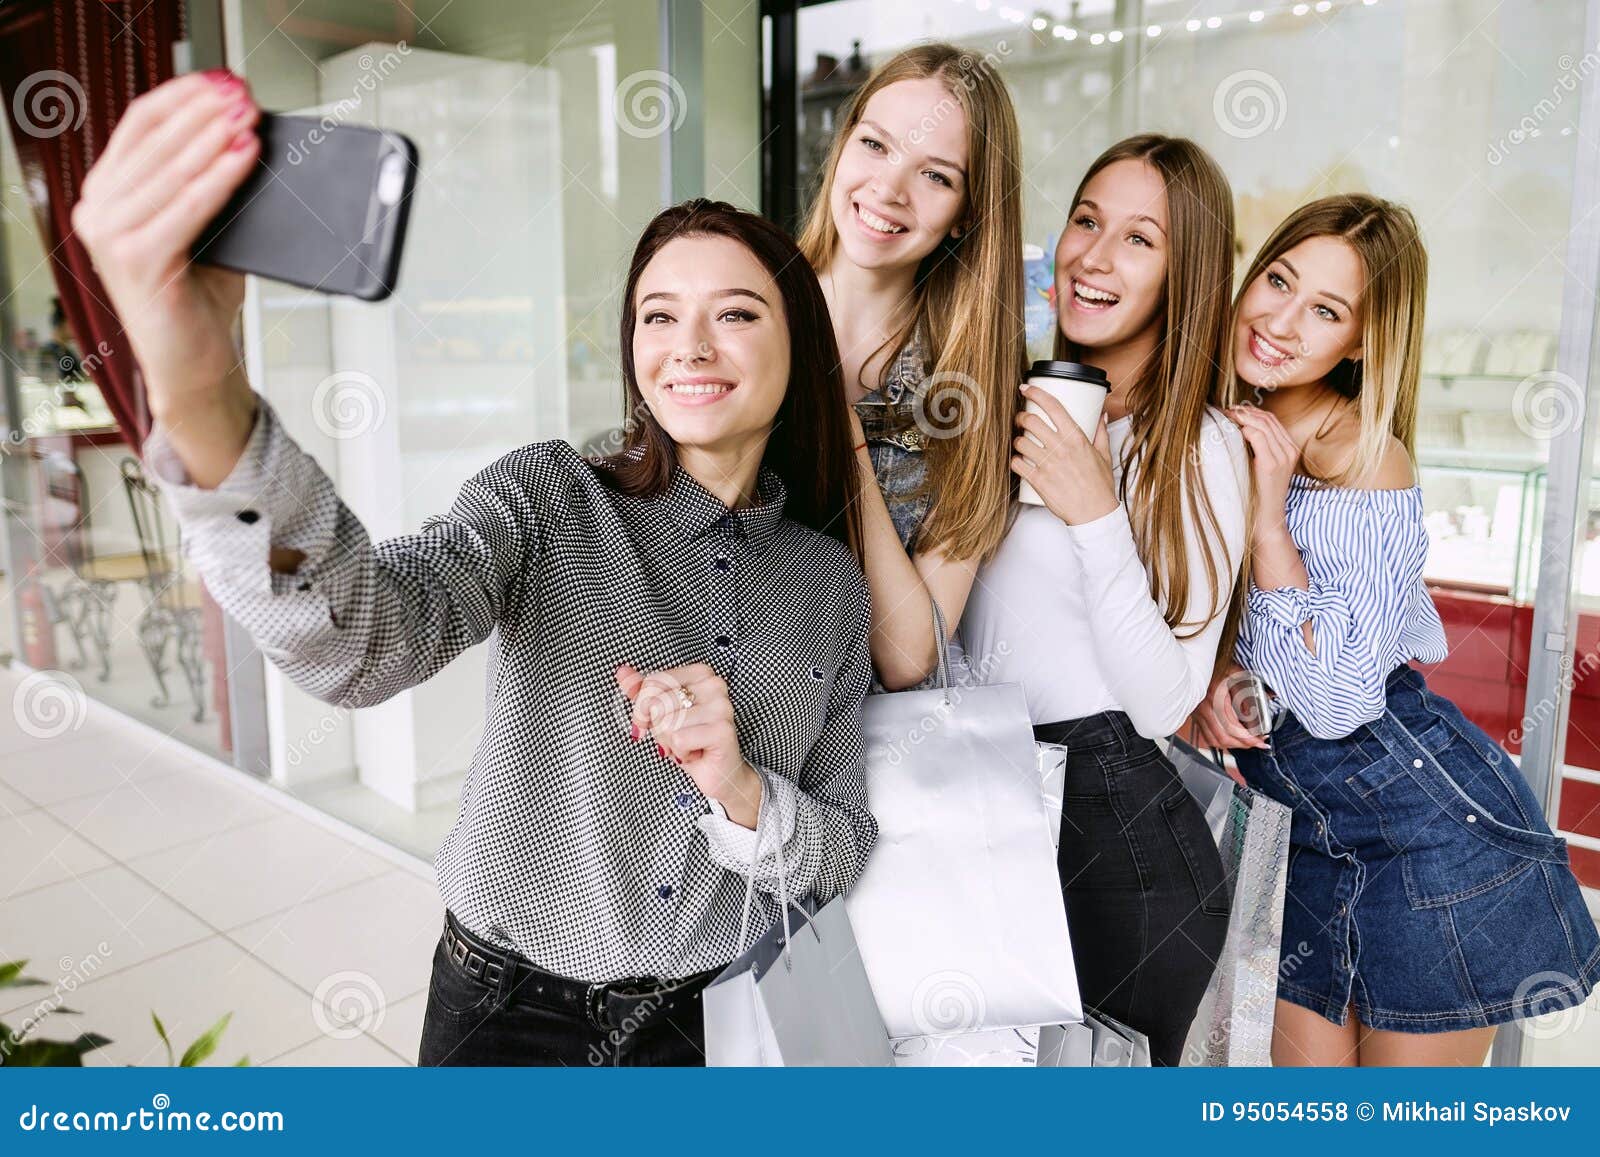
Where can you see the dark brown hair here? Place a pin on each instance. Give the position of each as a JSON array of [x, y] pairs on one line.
[[809, 444]]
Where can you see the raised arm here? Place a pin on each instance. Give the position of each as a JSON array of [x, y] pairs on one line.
[[1326, 648], [352, 622], [1153, 674]]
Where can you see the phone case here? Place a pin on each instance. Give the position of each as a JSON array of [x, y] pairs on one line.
[[325, 208]]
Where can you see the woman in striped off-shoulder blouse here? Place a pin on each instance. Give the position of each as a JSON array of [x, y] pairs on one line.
[[1428, 900]]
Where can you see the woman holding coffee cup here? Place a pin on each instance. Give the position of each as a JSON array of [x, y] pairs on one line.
[[1436, 900], [1110, 599], [916, 237]]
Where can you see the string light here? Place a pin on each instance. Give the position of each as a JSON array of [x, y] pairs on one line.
[[1041, 22]]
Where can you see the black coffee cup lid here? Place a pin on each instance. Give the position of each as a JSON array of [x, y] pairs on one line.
[[1076, 371]]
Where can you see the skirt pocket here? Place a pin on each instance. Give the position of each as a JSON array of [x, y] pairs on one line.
[[1455, 824]]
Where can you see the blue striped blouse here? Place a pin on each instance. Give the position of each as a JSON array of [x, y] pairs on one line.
[[1368, 608]]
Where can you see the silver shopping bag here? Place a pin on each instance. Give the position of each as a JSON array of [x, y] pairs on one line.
[[1098, 1042], [797, 996], [959, 914], [1233, 1026]]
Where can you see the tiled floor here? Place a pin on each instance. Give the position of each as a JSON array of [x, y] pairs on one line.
[[137, 877]]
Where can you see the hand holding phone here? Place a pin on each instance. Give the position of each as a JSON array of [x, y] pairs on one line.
[[174, 159], [325, 208]]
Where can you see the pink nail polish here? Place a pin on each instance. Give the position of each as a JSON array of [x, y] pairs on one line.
[[633, 732]]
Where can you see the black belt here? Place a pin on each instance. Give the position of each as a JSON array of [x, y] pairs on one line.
[[617, 1004]]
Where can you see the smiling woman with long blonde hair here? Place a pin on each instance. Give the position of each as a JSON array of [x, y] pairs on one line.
[[1435, 899], [916, 236]]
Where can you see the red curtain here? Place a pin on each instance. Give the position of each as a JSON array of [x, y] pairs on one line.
[[68, 70]]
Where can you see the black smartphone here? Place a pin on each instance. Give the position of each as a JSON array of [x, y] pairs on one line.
[[325, 208]]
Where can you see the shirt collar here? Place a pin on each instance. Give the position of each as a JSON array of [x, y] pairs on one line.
[[696, 510]]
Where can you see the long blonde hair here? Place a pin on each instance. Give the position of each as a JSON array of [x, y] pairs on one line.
[[1383, 385], [967, 300], [1187, 371]]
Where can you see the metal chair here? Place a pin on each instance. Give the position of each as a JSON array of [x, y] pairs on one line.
[[84, 602], [173, 603]]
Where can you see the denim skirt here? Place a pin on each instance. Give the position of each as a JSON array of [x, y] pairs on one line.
[[1425, 887]]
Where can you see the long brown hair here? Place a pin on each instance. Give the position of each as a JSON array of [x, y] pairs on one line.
[[967, 299], [1384, 383], [809, 445], [1189, 370]]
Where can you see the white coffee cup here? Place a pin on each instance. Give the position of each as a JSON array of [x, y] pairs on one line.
[[1081, 388]]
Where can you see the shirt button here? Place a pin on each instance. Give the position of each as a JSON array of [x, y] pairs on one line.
[[724, 641], [721, 562], [248, 516], [1416, 763], [685, 800], [1471, 819], [664, 891]]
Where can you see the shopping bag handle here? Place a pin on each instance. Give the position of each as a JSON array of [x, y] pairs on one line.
[[941, 642], [783, 890]]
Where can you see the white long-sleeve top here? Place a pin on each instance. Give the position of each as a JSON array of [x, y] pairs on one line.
[[1066, 610]]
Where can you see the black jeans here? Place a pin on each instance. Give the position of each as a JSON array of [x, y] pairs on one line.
[[527, 1017], [1147, 899]]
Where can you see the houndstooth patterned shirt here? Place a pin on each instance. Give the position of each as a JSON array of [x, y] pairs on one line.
[[585, 852]]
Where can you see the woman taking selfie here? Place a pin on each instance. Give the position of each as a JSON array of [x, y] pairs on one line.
[[683, 626], [1422, 871], [916, 237], [1109, 601]]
